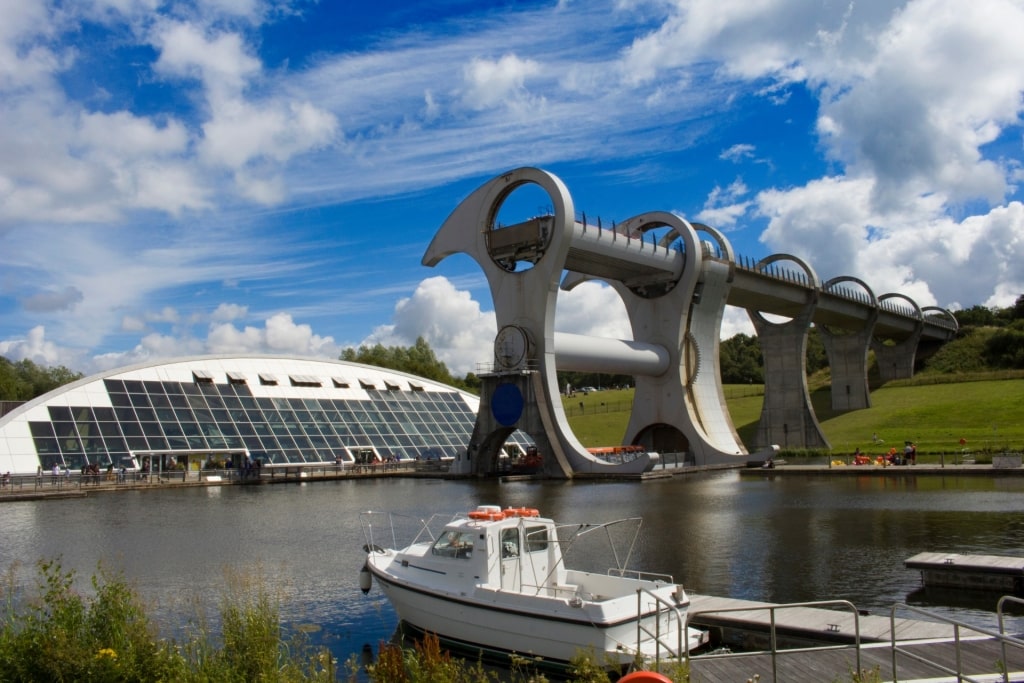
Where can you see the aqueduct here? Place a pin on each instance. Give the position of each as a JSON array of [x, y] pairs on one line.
[[675, 278]]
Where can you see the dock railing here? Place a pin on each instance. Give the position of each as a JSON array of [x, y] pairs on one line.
[[667, 612], [958, 626], [774, 650]]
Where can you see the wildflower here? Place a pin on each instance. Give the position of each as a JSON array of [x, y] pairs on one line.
[[106, 652]]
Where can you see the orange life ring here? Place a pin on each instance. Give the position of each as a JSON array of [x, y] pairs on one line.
[[522, 512], [488, 515], [645, 677]]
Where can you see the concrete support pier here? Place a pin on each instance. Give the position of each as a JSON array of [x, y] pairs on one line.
[[847, 352], [896, 360], [787, 417]]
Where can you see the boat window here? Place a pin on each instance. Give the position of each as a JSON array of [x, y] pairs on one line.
[[510, 543], [453, 543], [536, 538]]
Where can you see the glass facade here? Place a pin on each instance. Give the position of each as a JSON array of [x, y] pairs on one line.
[[220, 419]]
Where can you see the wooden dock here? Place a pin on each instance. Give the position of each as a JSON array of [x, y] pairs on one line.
[[919, 661], [985, 572], [815, 644]]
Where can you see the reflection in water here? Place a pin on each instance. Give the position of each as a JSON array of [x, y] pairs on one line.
[[767, 537]]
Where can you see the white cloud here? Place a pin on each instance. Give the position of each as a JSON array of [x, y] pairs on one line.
[[229, 312], [34, 347], [490, 83], [221, 62], [450, 321], [942, 83]]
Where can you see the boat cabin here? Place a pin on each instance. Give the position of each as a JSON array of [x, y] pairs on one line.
[[513, 549]]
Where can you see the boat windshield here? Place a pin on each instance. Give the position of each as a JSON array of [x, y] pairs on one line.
[[453, 543]]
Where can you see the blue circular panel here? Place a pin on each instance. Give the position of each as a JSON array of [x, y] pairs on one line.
[[507, 404]]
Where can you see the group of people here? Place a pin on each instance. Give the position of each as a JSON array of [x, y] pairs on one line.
[[892, 457]]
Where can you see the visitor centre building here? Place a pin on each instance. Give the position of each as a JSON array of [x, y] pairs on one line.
[[207, 411]]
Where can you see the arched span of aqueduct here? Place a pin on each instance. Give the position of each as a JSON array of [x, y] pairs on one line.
[[675, 298]]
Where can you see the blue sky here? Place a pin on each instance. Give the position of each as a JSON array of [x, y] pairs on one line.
[[237, 176]]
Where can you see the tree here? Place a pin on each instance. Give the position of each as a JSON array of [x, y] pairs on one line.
[[418, 360], [24, 380]]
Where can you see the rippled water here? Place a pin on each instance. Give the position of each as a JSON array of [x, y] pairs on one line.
[[767, 537]]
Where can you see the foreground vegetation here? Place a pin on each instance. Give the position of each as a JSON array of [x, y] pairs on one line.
[[57, 634]]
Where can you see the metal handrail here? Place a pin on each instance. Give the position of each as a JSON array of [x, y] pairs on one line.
[[1002, 630], [774, 642], [957, 625], [669, 609]]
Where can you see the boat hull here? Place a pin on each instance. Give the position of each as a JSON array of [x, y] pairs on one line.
[[493, 621]]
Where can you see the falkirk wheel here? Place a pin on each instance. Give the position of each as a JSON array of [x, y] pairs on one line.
[[674, 285]]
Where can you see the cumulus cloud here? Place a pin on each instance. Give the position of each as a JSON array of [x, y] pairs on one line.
[[450, 321], [462, 334], [34, 347]]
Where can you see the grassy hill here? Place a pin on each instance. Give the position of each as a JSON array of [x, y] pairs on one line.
[[987, 412]]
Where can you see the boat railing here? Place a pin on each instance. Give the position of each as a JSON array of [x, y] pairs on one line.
[[662, 629], [640, 575], [395, 530], [1001, 637], [774, 650]]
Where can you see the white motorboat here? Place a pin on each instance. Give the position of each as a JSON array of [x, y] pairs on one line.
[[495, 581]]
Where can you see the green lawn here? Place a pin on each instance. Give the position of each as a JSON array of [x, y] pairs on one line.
[[988, 414]]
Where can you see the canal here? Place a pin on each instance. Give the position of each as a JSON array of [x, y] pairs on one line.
[[775, 539]]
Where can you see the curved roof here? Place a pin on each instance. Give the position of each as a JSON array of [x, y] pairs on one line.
[[281, 410]]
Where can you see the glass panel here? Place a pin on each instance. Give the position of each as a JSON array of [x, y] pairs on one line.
[[178, 400], [114, 444], [158, 443], [215, 401], [172, 429], [60, 413], [139, 400], [253, 443], [110, 429], [46, 444], [190, 429], [227, 428], [120, 400], [125, 415], [137, 443], [159, 401], [114, 385], [145, 415], [153, 387], [93, 444], [130, 428], [133, 386], [177, 443]]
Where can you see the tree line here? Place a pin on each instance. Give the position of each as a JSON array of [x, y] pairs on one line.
[[24, 380], [988, 339]]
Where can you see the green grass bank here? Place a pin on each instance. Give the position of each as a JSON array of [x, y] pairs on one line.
[[987, 413]]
